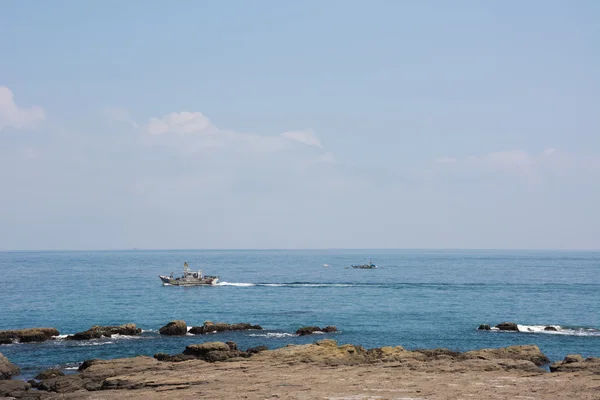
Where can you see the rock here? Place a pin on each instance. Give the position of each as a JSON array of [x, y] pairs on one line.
[[49, 373], [525, 352], [484, 327], [10, 388], [308, 330], [330, 329], [173, 358], [174, 328], [200, 350], [28, 335], [576, 363], [88, 363], [507, 326], [256, 350], [97, 332], [232, 345], [7, 369], [550, 328], [210, 327]]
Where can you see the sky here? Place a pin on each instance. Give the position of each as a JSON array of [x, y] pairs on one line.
[[312, 124]]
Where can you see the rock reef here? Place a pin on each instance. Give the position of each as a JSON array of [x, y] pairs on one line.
[[97, 332], [211, 327], [28, 335], [309, 330]]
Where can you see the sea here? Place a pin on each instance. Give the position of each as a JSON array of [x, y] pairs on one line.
[[415, 299]]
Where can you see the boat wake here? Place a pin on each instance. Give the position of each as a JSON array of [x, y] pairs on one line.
[[294, 284], [554, 330]]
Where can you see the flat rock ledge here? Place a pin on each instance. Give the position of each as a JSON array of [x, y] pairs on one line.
[[28, 335], [212, 327], [319, 368], [97, 332]]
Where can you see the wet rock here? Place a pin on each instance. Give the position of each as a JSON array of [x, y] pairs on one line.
[[329, 329], [576, 363], [200, 350], [7, 369], [88, 363], [174, 328], [550, 328], [507, 326], [308, 330], [97, 332], [28, 335], [211, 327], [49, 373], [484, 327], [232, 345]]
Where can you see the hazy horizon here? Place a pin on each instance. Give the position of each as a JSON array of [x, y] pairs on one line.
[[269, 125]]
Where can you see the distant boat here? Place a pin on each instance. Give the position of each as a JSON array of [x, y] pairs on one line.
[[370, 265], [189, 278]]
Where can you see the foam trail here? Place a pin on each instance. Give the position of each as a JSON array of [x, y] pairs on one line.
[[553, 330], [239, 284]]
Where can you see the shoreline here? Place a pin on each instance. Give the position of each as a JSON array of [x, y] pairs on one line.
[[322, 369]]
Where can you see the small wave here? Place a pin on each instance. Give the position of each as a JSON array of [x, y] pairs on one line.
[[90, 343], [273, 335], [149, 330], [553, 330]]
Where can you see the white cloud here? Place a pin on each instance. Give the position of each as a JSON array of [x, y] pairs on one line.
[[119, 115], [180, 123], [509, 159], [306, 136], [549, 151], [17, 117]]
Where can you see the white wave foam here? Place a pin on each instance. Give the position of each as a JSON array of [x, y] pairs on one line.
[[90, 343], [70, 368], [552, 330], [239, 284], [273, 335], [148, 330]]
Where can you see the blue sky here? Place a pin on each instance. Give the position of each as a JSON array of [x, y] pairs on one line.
[[313, 124]]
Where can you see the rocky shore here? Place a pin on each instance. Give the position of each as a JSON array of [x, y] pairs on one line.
[[324, 369]]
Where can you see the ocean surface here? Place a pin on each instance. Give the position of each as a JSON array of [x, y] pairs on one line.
[[416, 299]]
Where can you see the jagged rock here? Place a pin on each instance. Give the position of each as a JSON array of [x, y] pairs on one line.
[[329, 329], [7, 369], [13, 388], [507, 326], [49, 373], [308, 330], [550, 328], [88, 363], [173, 358], [97, 332], [576, 363], [174, 328], [484, 327], [211, 327], [27, 335]]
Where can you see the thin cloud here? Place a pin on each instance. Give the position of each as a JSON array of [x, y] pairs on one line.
[[306, 136], [13, 116]]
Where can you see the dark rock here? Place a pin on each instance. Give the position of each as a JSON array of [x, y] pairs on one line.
[[63, 384], [200, 350], [88, 363], [307, 330], [7, 369], [28, 335], [173, 358], [330, 329], [257, 349], [97, 332], [507, 326], [211, 327], [49, 373], [33, 383], [576, 363], [232, 345], [440, 353], [174, 328], [484, 327], [550, 328]]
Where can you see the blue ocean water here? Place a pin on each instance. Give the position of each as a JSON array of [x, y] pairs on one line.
[[416, 299]]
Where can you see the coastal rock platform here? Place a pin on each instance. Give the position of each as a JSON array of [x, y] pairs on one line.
[[324, 370]]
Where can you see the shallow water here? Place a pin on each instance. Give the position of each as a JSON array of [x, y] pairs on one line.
[[416, 298]]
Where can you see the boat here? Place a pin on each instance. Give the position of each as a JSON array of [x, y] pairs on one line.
[[370, 265], [189, 278]]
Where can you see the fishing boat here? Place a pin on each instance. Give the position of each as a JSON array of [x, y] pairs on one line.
[[189, 278], [370, 265]]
